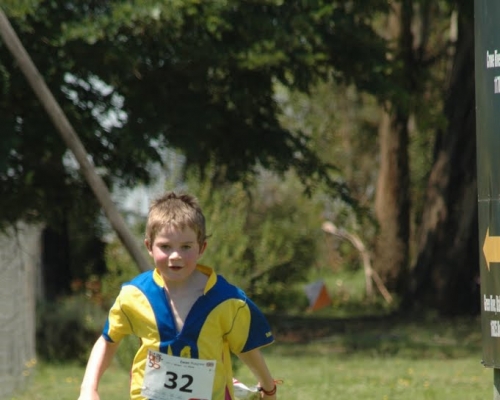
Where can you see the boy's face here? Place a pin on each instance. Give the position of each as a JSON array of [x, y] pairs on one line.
[[175, 253]]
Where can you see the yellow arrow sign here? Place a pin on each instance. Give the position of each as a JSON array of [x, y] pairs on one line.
[[491, 249]]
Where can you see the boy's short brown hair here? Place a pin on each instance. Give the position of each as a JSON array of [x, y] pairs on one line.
[[178, 211]]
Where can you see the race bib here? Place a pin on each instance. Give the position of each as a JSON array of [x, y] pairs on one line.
[[176, 378]]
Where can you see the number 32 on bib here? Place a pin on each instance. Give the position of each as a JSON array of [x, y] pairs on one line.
[[176, 378]]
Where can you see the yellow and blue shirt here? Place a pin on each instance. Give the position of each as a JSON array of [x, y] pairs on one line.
[[222, 321]]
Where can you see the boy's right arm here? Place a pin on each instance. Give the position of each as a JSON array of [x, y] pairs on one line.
[[100, 358]]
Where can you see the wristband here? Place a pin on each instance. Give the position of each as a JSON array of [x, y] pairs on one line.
[[271, 392]]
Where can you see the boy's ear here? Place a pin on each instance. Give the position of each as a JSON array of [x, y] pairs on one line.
[[147, 243], [203, 247]]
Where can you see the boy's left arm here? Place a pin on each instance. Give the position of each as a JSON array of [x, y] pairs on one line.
[[254, 360]]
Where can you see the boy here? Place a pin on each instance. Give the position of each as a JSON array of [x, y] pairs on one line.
[[188, 318]]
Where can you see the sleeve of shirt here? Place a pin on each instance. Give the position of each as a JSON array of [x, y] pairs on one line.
[[250, 329], [117, 325]]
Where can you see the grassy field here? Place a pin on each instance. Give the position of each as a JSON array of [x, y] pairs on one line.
[[379, 360]]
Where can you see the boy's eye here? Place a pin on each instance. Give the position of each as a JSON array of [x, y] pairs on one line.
[[186, 247]]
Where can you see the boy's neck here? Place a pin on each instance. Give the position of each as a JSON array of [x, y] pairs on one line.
[[182, 295], [195, 283]]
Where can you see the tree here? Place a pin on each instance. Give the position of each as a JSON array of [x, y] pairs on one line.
[[392, 203], [446, 272], [199, 77], [428, 252], [421, 59]]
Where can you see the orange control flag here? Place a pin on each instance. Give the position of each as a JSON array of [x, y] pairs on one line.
[[317, 295]]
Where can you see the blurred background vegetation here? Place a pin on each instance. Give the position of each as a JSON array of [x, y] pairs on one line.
[[279, 116]]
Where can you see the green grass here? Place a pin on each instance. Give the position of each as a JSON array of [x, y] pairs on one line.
[[389, 360], [376, 360], [62, 382]]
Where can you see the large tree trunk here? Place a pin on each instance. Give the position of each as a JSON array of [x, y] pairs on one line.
[[392, 203], [445, 276]]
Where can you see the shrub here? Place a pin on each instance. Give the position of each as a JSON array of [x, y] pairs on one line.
[[126, 351], [68, 328], [263, 237]]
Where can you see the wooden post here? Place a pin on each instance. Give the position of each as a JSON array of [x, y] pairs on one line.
[[496, 384], [71, 139], [487, 107]]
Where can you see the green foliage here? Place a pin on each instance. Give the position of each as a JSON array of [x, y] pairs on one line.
[[226, 211], [126, 351], [120, 269], [342, 125], [263, 237], [135, 77], [67, 329], [19, 8]]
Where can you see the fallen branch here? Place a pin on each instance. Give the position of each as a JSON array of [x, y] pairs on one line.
[[370, 274]]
